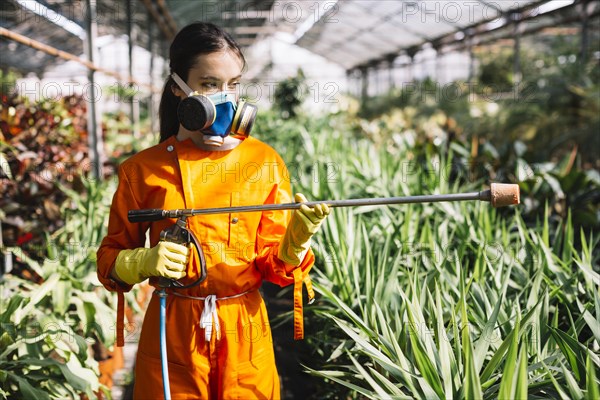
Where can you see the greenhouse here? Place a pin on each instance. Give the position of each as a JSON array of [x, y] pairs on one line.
[[300, 199]]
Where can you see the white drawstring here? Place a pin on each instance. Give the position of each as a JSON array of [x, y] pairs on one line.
[[209, 315]]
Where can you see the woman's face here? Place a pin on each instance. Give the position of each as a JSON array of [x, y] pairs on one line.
[[215, 72]]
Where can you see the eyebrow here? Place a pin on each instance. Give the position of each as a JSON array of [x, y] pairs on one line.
[[213, 78]]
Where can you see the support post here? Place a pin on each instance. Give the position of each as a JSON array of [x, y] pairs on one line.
[[350, 78], [151, 72], [471, 51], [364, 75], [411, 53], [585, 37], [438, 62], [391, 71], [517, 74], [95, 142], [134, 106], [377, 70]]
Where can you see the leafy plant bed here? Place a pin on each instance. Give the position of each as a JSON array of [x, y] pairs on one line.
[[56, 321], [442, 300]]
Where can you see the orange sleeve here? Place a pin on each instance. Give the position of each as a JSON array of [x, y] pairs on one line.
[[271, 228], [121, 235]]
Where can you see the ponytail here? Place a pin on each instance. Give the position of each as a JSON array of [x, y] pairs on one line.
[[169, 123]]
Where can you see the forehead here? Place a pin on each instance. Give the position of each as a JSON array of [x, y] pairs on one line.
[[224, 65]]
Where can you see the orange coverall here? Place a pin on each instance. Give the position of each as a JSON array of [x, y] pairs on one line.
[[240, 250]]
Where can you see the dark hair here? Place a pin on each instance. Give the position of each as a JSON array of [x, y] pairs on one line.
[[193, 40]]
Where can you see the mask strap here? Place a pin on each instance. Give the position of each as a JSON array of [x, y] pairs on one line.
[[182, 85]]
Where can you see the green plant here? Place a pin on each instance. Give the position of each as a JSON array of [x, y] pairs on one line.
[[42, 145], [290, 94], [56, 319], [446, 300], [51, 325], [457, 320], [7, 82]]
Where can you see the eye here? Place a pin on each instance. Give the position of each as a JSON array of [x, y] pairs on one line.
[[234, 85], [209, 85]]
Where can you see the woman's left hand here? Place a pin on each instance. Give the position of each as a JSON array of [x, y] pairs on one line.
[[304, 224]]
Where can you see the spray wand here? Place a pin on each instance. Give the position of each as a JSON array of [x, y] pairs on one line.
[[499, 195]]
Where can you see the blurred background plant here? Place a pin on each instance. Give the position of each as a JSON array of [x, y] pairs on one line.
[[290, 94], [42, 145], [57, 321]]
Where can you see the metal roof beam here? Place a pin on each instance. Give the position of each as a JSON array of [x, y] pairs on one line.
[[254, 30], [166, 29], [167, 15], [53, 51], [526, 13]]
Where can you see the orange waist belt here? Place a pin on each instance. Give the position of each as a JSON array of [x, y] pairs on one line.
[[298, 315], [298, 308]]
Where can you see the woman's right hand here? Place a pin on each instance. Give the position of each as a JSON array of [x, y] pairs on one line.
[[166, 259]]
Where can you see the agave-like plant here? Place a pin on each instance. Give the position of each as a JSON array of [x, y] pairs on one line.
[[445, 300], [437, 330]]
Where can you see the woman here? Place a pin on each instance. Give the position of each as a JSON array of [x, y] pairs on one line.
[[218, 336]]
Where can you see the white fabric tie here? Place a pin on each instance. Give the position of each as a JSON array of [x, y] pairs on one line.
[[209, 317]]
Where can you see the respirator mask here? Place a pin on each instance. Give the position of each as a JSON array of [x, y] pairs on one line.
[[217, 116]]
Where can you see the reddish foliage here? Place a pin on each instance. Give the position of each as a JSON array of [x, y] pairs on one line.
[[44, 145]]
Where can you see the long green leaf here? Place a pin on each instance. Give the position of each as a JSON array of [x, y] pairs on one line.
[[574, 389], [483, 344], [522, 379], [593, 323], [560, 389], [472, 388], [41, 292], [422, 356], [27, 390], [332, 375], [507, 384], [392, 389], [367, 376], [447, 361], [14, 303], [572, 351], [425, 366], [499, 355], [591, 382]]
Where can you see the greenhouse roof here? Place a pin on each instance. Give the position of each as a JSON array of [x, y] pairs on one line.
[[61, 24], [352, 33], [356, 33]]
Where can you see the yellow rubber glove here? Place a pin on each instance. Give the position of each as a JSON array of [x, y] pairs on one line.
[[305, 222], [166, 259]]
